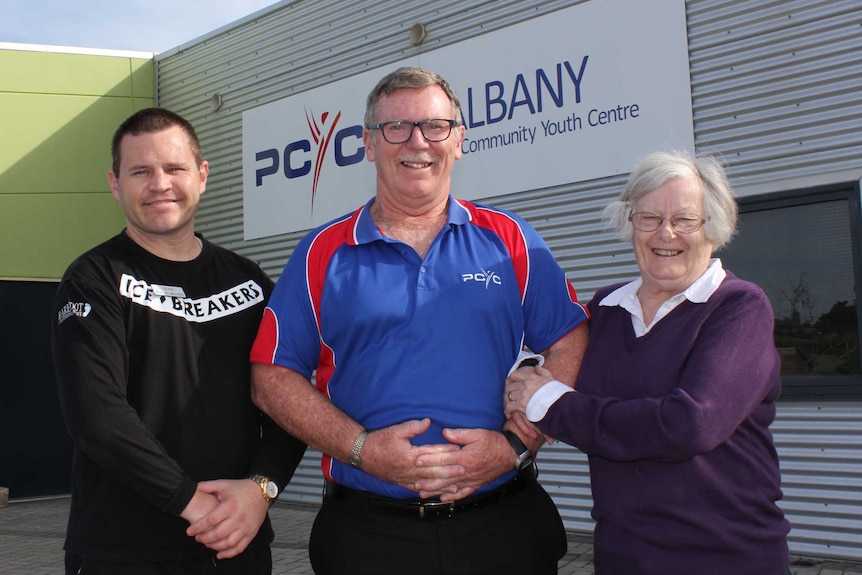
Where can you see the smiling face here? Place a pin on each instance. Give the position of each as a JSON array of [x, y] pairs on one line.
[[417, 173], [158, 185], [669, 261]]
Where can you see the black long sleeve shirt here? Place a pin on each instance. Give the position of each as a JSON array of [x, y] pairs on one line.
[[154, 380]]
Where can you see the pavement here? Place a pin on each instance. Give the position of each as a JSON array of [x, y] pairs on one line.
[[32, 531]]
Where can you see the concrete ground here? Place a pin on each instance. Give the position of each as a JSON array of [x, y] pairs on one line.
[[32, 531]]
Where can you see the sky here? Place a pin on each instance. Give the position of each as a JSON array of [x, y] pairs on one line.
[[136, 25]]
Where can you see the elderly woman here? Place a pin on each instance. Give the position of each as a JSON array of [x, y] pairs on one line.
[[676, 391]]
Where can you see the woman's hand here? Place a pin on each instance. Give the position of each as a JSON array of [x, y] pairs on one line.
[[521, 385]]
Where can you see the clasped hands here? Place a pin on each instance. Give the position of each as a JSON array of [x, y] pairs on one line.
[[451, 471], [225, 515], [454, 470]]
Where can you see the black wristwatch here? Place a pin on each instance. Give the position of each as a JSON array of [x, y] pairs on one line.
[[523, 455]]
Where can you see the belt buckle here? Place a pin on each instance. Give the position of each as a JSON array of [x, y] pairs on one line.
[[436, 505]]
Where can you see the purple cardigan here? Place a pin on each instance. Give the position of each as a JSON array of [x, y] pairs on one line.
[[683, 469]]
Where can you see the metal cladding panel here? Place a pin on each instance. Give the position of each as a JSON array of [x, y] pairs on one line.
[[307, 483], [564, 474], [569, 219], [820, 452], [775, 92], [775, 86]]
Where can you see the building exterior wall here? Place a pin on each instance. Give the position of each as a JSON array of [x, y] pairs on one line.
[[58, 111], [775, 93]]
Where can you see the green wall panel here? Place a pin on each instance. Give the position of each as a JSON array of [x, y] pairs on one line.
[[58, 143], [40, 234], [74, 74], [58, 112]]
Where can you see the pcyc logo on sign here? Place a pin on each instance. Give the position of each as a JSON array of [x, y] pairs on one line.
[[298, 158]]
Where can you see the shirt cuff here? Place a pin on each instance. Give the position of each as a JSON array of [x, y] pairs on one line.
[[524, 355], [544, 398]]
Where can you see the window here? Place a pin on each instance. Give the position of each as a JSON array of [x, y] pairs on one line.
[[802, 248]]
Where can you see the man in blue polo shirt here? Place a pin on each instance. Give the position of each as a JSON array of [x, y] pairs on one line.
[[412, 310]]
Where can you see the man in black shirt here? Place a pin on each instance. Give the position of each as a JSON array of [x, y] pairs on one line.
[[174, 468]]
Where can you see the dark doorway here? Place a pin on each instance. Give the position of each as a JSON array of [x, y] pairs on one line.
[[35, 450]]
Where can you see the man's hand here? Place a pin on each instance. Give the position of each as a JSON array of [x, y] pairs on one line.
[[232, 524], [531, 435], [484, 456], [389, 455], [200, 504]]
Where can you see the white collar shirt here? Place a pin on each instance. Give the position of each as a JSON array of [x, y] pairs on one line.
[[699, 292]]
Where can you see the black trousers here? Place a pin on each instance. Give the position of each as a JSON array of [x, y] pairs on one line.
[[249, 562], [521, 535]]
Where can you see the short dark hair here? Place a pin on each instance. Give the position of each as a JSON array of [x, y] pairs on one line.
[[149, 121], [409, 78]]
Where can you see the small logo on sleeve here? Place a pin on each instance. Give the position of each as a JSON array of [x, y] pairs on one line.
[[73, 308]]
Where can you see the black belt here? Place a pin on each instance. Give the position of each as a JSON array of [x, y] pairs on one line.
[[426, 508]]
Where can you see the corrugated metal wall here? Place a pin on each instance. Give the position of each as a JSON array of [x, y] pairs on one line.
[[820, 449], [775, 91], [775, 86]]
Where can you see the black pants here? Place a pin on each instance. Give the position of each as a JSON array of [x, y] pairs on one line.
[[250, 562], [521, 535]]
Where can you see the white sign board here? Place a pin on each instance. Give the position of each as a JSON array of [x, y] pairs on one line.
[[575, 95]]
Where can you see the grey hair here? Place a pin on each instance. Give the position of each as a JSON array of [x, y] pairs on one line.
[[409, 78], [657, 168]]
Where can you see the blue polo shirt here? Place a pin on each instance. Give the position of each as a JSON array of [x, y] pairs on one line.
[[395, 337]]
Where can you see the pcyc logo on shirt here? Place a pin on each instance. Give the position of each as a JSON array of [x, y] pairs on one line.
[[483, 276]]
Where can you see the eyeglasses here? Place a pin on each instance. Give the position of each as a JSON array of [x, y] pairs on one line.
[[681, 223], [399, 131]]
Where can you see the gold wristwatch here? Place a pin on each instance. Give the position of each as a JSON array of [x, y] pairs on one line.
[[268, 487]]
